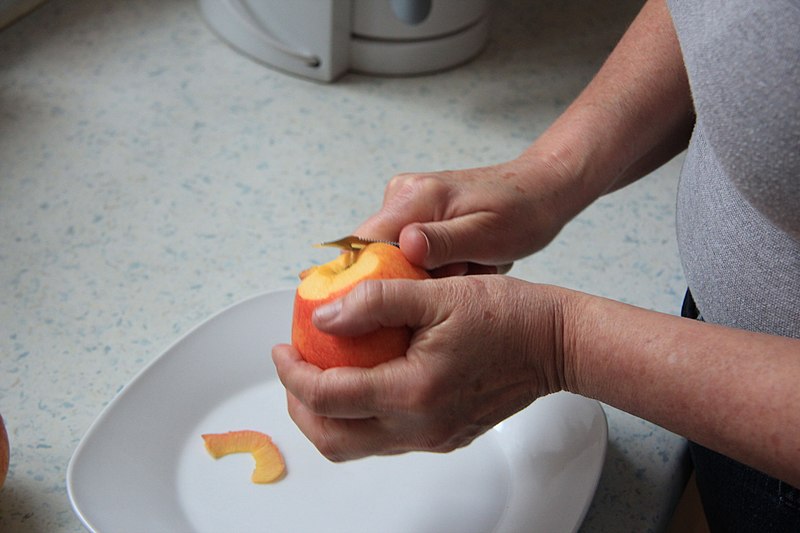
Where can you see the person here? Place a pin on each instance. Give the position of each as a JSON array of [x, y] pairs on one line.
[[719, 77]]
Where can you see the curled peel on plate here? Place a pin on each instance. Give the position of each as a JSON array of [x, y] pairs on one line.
[[269, 461]]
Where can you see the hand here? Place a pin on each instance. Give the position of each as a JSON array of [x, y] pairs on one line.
[[483, 348], [471, 221]]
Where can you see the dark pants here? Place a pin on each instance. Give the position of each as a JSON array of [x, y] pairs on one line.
[[737, 498]]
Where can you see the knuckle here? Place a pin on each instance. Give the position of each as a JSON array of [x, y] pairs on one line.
[[370, 295], [401, 185], [377, 300], [316, 398], [326, 444], [397, 181], [422, 398], [431, 400], [456, 440], [441, 439], [446, 446], [428, 185], [445, 243]]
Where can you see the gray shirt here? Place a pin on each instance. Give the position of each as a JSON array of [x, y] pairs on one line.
[[739, 194]]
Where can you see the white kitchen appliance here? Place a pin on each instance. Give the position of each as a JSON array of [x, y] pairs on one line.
[[322, 39]]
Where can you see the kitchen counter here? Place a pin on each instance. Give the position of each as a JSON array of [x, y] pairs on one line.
[[150, 176]]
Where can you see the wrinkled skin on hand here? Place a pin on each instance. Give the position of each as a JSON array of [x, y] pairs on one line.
[[473, 221], [483, 348]]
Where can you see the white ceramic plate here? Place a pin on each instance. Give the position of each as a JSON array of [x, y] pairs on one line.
[[142, 465]]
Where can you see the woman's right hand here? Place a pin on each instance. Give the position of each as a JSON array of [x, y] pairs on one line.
[[471, 221]]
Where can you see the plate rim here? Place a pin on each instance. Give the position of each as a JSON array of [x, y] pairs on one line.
[[596, 407], [105, 411]]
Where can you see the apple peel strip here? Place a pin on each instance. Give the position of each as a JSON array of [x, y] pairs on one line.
[[270, 466]]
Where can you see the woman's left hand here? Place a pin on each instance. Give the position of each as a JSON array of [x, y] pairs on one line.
[[483, 347]]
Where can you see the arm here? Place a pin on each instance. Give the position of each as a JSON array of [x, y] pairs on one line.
[[730, 390], [485, 347], [635, 115]]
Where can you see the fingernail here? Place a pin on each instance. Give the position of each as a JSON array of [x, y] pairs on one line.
[[328, 312]]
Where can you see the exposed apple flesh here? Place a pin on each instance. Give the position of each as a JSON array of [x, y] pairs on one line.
[[270, 465], [325, 283]]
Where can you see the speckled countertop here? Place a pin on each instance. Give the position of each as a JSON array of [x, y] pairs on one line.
[[150, 176]]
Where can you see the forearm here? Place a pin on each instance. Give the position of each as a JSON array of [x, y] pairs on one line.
[[731, 390], [635, 115]]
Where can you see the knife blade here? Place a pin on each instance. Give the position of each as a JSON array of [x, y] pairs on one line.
[[353, 243]]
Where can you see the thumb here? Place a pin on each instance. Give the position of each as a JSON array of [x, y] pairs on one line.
[[374, 304], [457, 240]]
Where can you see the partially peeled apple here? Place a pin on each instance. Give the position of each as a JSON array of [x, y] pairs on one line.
[[325, 283]]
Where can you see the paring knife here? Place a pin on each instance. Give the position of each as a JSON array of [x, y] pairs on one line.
[[353, 243]]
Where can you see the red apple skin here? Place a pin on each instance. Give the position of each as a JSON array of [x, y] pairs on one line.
[[4, 452], [328, 351]]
